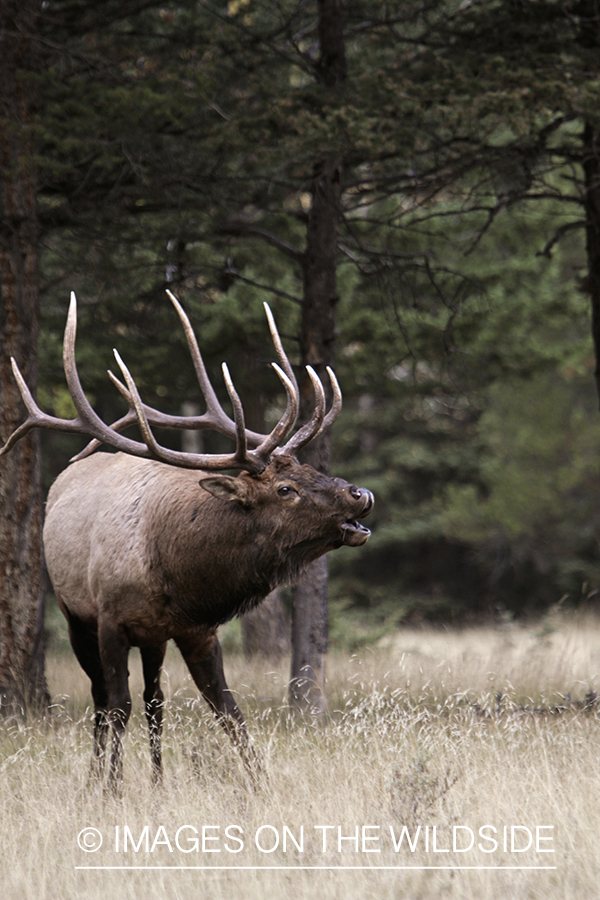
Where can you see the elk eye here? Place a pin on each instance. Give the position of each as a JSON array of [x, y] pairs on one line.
[[285, 490]]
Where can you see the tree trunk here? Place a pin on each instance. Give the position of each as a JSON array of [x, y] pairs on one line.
[[22, 582], [591, 169], [266, 629], [310, 600]]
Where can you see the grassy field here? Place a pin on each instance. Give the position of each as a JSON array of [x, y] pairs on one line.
[[481, 737]]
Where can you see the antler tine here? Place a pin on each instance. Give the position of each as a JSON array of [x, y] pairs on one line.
[[212, 403], [120, 387], [86, 422], [85, 411], [35, 419], [281, 354], [309, 431], [283, 427], [149, 438], [287, 421], [336, 406], [241, 444]]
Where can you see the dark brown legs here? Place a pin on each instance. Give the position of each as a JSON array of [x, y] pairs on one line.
[[103, 657], [202, 653], [114, 651], [152, 660], [85, 647]]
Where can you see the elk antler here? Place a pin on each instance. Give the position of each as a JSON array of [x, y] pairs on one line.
[[215, 417], [252, 460]]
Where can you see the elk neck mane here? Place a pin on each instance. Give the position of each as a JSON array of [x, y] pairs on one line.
[[210, 580]]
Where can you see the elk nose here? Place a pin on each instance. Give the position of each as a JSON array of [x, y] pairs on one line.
[[364, 495]]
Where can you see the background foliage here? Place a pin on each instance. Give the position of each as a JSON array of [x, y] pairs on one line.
[[176, 144]]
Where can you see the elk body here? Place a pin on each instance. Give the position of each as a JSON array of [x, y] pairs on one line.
[[147, 545]]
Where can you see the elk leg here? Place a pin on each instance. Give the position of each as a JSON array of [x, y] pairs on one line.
[[114, 650], [152, 660], [85, 646], [203, 657]]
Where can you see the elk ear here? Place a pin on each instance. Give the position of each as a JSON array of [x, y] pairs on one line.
[[227, 488]]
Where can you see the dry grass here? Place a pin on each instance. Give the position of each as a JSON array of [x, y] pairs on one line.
[[433, 729]]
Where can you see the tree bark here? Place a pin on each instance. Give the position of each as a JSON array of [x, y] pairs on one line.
[[22, 582], [591, 170], [266, 629], [310, 599]]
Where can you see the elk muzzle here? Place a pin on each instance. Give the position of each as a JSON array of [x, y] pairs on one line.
[[354, 533]]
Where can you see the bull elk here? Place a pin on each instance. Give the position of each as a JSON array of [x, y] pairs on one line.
[[141, 550]]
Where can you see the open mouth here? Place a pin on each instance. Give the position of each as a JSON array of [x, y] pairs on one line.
[[354, 533]]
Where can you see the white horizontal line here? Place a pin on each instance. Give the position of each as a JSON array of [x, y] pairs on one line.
[[328, 868]]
